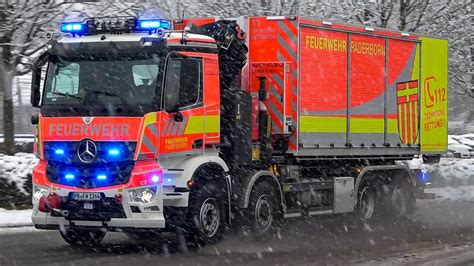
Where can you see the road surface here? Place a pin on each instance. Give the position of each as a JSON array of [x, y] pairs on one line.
[[441, 232]]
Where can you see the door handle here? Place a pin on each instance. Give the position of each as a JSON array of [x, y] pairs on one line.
[[197, 143]]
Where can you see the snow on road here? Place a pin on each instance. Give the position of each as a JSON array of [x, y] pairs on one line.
[[15, 218], [464, 193], [444, 255]]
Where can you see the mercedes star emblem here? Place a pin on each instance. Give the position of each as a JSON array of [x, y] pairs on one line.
[[87, 151]]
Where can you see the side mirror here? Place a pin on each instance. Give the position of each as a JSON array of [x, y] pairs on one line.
[[35, 87], [36, 80], [34, 119], [172, 108]]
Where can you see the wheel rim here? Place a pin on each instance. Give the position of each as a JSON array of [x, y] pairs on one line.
[[367, 203], [398, 200], [209, 217], [263, 213]]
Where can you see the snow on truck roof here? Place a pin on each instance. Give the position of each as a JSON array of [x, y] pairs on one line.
[[135, 37], [125, 29]]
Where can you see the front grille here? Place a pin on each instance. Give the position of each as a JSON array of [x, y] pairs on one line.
[[116, 168], [69, 151], [85, 175], [103, 210]]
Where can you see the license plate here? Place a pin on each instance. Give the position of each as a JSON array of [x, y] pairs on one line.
[[86, 196]]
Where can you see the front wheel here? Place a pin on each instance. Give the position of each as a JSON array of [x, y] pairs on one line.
[[206, 221], [82, 238]]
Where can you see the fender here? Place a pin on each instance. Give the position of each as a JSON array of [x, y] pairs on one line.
[[187, 166], [190, 165], [367, 169], [253, 179]]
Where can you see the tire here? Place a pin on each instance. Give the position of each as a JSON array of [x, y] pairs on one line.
[[366, 202], [262, 212], [82, 238], [205, 224], [400, 199]]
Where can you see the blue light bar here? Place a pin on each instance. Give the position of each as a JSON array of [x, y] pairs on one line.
[[59, 151], [153, 24], [73, 27], [114, 152], [101, 177], [69, 176]]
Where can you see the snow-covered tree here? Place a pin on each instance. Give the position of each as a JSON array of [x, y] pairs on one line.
[[23, 24]]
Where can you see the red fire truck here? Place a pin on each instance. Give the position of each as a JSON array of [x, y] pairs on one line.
[[189, 125]]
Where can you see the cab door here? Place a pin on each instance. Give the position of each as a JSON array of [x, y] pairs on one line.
[[182, 122]]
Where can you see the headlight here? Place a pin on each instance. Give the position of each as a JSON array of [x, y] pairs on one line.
[[39, 192], [144, 195]]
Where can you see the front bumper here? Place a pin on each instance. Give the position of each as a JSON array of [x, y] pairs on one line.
[[134, 215]]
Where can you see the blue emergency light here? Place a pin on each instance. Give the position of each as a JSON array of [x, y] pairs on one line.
[[153, 24], [123, 24], [69, 176], [423, 176], [73, 27], [101, 177], [114, 152]]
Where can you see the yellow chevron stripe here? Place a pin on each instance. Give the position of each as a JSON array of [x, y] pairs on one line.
[[150, 118]]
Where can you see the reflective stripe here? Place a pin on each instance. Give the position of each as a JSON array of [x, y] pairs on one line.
[[288, 32], [322, 124], [150, 118], [338, 124], [365, 125], [146, 145], [202, 124], [286, 47]]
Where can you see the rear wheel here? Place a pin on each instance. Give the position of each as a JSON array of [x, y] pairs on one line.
[[82, 238], [400, 199], [262, 208], [366, 202]]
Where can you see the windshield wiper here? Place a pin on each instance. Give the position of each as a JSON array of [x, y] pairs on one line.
[[69, 96], [108, 94]]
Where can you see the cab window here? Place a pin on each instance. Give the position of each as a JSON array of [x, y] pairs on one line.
[[183, 83]]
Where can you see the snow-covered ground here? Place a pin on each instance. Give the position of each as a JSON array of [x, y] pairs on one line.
[[448, 172], [20, 138], [16, 168], [14, 218]]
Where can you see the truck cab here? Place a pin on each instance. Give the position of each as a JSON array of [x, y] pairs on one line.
[[118, 107]]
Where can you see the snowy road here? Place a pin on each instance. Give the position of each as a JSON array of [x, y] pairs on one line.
[[439, 226]]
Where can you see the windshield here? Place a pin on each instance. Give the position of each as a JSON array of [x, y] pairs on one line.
[[126, 82]]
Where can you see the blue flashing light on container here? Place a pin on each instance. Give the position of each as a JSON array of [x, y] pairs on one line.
[[69, 176], [73, 27], [101, 177], [423, 176]]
